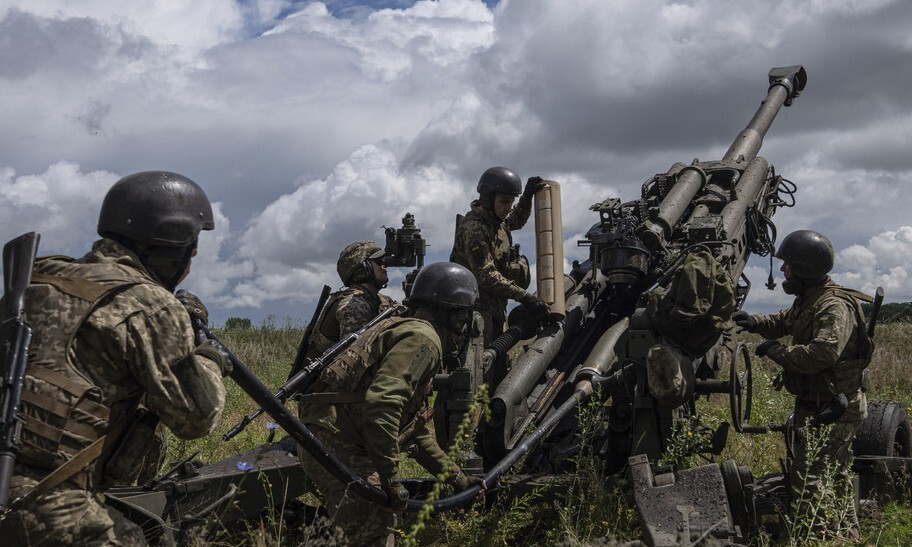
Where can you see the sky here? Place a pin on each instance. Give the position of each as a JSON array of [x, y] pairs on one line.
[[314, 124]]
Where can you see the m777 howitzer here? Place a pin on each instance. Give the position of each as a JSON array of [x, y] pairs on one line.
[[719, 210], [647, 320], [647, 329]]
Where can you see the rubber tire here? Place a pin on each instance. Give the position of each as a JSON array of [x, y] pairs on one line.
[[885, 432]]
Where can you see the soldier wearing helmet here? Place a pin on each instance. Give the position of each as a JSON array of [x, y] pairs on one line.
[[361, 269], [484, 245], [113, 356], [366, 404], [823, 364]]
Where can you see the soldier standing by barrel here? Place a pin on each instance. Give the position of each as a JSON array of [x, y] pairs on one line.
[[823, 365], [361, 269], [364, 405], [113, 353], [484, 245]]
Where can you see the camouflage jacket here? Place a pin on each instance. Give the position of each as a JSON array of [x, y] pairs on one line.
[[483, 245], [135, 344], [345, 312], [825, 349], [402, 359]]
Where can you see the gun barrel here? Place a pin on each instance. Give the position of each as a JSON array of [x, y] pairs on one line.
[[786, 83], [528, 369]]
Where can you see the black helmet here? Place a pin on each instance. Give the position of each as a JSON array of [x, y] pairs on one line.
[[445, 284], [156, 208], [808, 253], [499, 180]]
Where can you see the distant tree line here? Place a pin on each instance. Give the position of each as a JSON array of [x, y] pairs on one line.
[[238, 323], [894, 312]]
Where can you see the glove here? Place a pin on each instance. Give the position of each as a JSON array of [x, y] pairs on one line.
[[744, 320], [215, 351], [397, 496], [536, 305], [194, 306], [764, 347], [534, 184], [462, 481]]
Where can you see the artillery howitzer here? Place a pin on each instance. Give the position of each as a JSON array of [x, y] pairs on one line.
[[616, 341], [636, 334]]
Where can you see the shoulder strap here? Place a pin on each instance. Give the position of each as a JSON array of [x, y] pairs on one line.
[[854, 294], [63, 473], [74, 286]]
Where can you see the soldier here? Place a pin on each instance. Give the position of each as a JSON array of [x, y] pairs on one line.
[[363, 273], [823, 364], [366, 403], [484, 245], [113, 353]]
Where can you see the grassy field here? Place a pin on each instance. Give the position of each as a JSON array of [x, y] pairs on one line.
[[577, 516]]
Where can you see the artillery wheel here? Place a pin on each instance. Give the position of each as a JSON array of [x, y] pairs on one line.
[[885, 432], [740, 390]]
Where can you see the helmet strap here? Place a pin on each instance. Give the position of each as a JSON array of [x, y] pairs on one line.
[[793, 286], [167, 264]]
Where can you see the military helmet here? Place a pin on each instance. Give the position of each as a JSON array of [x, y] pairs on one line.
[[445, 284], [499, 180], [354, 261], [156, 207], [808, 253]]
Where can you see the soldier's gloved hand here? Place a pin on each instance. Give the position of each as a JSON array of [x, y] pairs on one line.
[[194, 306], [397, 496], [534, 184], [462, 481], [536, 305], [215, 351], [744, 320], [764, 347]]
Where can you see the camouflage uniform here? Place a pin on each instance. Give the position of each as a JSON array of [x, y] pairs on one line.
[[345, 312], [826, 356], [402, 354], [135, 343], [484, 245]]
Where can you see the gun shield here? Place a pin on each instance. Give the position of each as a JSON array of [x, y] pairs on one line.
[[549, 264]]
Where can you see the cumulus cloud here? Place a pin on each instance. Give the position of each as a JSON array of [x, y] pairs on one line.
[[391, 41], [885, 261], [61, 204], [297, 238]]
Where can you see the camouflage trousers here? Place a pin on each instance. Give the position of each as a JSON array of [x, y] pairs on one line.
[[493, 328], [67, 515], [363, 522], [824, 470]]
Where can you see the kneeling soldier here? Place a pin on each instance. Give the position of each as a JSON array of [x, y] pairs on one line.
[[113, 353], [370, 395]]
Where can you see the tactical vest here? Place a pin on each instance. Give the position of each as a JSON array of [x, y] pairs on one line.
[[63, 409], [507, 257], [845, 376], [346, 379], [323, 335]]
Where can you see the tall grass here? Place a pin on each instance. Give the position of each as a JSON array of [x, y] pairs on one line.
[[582, 509]]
